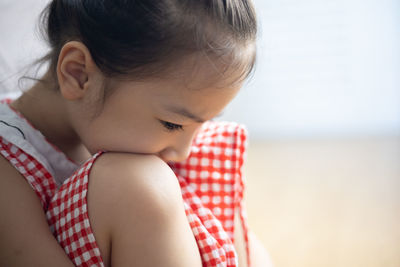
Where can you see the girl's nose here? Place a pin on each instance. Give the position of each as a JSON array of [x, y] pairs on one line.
[[173, 154], [179, 150]]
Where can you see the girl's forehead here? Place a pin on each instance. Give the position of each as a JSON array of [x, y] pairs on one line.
[[207, 73]]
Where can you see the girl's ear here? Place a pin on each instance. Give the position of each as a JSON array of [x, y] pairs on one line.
[[75, 70]]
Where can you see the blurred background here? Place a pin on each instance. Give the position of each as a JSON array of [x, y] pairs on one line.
[[323, 114]]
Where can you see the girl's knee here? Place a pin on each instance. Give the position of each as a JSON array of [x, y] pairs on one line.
[[116, 173], [117, 178]]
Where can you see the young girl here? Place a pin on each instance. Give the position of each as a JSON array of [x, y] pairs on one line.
[[121, 114]]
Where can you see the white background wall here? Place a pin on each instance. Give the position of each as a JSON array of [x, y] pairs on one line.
[[326, 68], [20, 42]]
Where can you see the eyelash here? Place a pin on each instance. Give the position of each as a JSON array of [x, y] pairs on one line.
[[171, 126]]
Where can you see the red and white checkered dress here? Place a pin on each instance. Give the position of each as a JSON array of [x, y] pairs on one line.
[[210, 178]]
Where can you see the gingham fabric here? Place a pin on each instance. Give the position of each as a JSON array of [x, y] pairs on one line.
[[211, 183], [212, 188]]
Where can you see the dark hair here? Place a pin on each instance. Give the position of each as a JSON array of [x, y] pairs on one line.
[[143, 37]]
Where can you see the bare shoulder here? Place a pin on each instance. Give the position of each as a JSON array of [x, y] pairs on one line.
[[137, 199], [13, 185], [7, 169], [12, 182], [22, 243]]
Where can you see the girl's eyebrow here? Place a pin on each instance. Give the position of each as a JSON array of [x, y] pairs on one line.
[[186, 113]]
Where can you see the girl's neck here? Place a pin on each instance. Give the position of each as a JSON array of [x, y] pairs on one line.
[[44, 107]]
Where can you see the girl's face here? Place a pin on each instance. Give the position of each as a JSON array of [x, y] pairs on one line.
[[158, 117]]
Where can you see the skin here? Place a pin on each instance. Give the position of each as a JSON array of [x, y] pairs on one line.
[[80, 125]]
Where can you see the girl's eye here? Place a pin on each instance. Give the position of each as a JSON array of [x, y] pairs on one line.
[[171, 126]]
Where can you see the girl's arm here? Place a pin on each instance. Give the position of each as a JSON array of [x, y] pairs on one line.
[[25, 237], [258, 254]]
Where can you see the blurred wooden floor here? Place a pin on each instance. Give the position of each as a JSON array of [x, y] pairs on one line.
[[326, 203]]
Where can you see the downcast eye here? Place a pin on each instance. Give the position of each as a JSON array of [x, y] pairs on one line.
[[171, 126]]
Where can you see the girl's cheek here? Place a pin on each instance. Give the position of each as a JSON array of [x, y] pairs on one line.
[[151, 143]]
